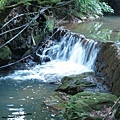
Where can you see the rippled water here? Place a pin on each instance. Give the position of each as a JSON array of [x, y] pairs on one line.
[[23, 100]]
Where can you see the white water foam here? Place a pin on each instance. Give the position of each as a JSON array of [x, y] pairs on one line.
[[70, 56]]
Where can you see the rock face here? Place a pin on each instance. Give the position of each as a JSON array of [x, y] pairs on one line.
[[108, 64]]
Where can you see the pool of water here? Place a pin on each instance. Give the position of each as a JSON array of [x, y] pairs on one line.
[[104, 29], [23, 100]]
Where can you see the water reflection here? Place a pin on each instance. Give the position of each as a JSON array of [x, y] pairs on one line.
[[104, 29], [24, 100]]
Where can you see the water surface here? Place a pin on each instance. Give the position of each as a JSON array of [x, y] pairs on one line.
[[104, 29], [23, 100]]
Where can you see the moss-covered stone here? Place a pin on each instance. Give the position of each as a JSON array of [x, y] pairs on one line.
[[5, 55], [80, 106], [83, 103], [75, 84]]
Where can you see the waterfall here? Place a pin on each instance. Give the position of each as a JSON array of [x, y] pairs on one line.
[[70, 54], [75, 49]]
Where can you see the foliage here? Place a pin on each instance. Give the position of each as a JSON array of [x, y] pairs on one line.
[[92, 7], [83, 6]]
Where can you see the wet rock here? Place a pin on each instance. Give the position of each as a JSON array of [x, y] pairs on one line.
[[5, 55], [45, 59], [73, 85], [109, 65], [79, 83]]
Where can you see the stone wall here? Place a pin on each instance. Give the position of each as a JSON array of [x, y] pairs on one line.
[[108, 65]]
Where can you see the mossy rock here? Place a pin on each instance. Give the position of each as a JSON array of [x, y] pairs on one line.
[[5, 55], [75, 84], [95, 100], [57, 101], [83, 103]]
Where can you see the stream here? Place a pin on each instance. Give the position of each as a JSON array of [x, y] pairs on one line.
[[104, 29], [23, 91]]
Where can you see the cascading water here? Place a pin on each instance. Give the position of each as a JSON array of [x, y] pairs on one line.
[[23, 91], [71, 54]]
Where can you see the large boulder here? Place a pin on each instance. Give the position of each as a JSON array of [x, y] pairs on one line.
[[78, 83]]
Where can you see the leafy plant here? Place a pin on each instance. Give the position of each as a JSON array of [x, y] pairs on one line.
[[92, 7]]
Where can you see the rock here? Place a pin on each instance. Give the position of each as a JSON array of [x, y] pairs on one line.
[[74, 84], [86, 81], [108, 63], [5, 55], [83, 103]]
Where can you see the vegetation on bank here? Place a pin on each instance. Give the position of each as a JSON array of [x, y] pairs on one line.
[[83, 6]]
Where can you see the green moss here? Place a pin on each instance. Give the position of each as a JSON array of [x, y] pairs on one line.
[[75, 84], [82, 103], [5, 53]]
